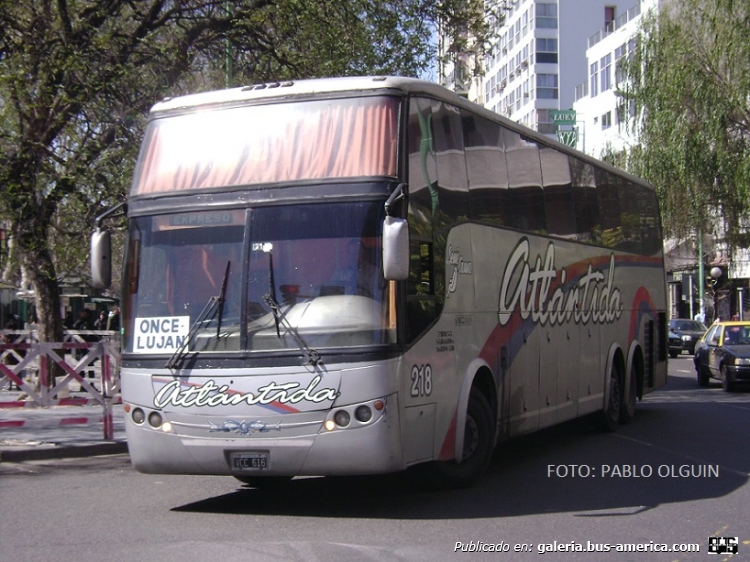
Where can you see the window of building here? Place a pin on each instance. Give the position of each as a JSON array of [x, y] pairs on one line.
[[543, 123], [605, 72], [609, 18], [546, 16], [594, 79], [546, 50], [606, 120], [620, 53], [546, 86]]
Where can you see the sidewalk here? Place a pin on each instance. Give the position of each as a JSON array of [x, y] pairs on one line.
[[33, 433]]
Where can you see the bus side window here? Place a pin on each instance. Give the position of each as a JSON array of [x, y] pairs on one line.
[[421, 306], [585, 201], [609, 209], [525, 183], [559, 207]]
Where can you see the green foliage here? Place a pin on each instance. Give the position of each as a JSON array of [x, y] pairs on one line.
[[689, 81], [77, 79]]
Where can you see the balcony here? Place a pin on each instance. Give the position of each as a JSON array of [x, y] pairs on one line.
[[619, 22]]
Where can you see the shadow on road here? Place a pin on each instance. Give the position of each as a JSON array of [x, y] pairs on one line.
[[686, 444]]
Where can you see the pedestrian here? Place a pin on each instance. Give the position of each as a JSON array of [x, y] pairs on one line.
[[83, 322], [102, 321], [114, 320]]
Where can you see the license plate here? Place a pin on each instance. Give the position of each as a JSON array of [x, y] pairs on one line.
[[249, 461]]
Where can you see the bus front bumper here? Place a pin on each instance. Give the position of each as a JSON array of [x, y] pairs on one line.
[[373, 449]]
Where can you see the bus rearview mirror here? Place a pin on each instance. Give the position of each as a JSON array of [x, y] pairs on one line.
[[101, 259], [395, 249]]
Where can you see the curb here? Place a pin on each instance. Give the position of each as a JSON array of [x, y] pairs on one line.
[[36, 453]]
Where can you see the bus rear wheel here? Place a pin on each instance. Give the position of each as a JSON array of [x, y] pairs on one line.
[[610, 416], [479, 440], [629, 400]]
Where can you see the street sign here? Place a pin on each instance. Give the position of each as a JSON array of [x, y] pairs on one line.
[[568, 138], [563, 116]]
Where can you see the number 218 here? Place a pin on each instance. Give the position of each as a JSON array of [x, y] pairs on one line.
[[421, 380]]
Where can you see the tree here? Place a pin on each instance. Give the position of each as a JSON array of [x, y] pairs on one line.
[[689, 82], [77, 78]]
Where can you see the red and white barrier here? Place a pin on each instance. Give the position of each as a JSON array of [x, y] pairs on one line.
[[45, 424], [31, 360]]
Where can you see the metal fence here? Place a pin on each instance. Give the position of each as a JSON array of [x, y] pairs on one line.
[[89, 360]]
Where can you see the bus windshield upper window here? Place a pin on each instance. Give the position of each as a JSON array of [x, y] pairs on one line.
[[260, 144]]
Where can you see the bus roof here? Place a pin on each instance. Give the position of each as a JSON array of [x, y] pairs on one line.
[[291, 88]]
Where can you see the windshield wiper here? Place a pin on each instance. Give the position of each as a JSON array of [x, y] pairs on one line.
[[215, 304], [222, 298], [313, 357]]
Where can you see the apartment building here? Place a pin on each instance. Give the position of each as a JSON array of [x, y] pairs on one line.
[[605, 121], [541, 56]]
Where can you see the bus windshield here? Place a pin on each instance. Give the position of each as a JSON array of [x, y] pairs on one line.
[[275, 278]]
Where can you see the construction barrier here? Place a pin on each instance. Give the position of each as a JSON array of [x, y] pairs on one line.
[[25, 363]]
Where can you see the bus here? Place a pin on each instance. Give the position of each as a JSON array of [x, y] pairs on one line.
[[353, 276]]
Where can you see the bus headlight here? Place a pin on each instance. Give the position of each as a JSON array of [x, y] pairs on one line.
[[363, 414], [139, 416], [355, 416], [342, 418], [154, 420]]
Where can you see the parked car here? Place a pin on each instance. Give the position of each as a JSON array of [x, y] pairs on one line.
[[675, 344], [690, 332], [724, 354]]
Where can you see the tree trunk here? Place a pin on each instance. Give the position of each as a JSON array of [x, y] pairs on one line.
[[40, 269]]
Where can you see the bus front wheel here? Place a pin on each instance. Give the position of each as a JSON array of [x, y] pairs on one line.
[[479, 439]]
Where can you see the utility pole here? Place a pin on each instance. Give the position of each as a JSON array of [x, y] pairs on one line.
[[701, 274]]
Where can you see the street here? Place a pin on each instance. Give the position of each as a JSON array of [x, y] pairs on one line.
[[678, 474]]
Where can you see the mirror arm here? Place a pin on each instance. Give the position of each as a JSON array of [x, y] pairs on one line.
[[113, 212], [397, 195]]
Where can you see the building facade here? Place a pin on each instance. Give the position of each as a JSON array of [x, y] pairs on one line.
[[606, 127], [541, 56]]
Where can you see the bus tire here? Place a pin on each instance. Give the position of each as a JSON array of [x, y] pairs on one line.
[[265, 481], [479, 440], [609, 417], [629, 400]]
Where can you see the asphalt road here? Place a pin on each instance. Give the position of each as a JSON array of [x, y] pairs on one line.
[[678, 474]]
